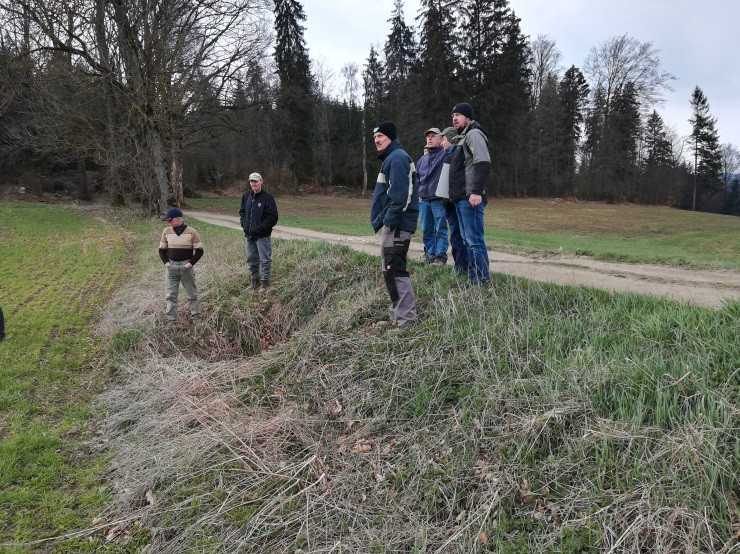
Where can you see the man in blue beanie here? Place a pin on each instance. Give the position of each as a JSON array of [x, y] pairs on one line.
[[395, 210], [469, 169]]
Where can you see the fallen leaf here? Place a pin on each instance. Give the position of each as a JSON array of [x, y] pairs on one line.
[[482, 537], [150, 498]]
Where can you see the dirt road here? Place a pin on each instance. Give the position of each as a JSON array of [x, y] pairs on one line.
[[703, 288]]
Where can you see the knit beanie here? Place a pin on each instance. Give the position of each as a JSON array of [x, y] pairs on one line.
[[388, 128], [463, 108]]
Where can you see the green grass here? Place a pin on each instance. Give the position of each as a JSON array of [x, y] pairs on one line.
[[629, 233], [58, 270], [545, 416]]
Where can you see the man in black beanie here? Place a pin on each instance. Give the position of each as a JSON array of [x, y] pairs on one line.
[[395, 210], [469, 169]]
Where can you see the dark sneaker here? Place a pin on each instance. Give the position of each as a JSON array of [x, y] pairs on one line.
[[439, 261]]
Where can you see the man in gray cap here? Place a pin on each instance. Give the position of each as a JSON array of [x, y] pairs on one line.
[[258, 215], [180, 248], [431, 207]]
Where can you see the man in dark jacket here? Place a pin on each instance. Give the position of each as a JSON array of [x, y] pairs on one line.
[[395, 210], [431, 205], [258, 215], [469, 169]]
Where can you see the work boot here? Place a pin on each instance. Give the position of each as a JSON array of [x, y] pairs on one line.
[[264, 286]]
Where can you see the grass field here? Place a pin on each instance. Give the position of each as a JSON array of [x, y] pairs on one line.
[[58, 271], [522, 418], [630, 233]]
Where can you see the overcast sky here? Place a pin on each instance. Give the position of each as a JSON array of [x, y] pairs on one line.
[[698, 42]]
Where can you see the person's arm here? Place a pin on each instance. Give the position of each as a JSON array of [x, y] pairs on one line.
[[481, 160], [197, 247], [242, 210], [400, 190], [163, 248], [270, 215]]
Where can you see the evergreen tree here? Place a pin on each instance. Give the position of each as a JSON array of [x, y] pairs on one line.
[[400, 58], [657, 146], [624, 129], [295, 95], [573, 93], [372, 80], [704, 141], [438, 82], [658, 161], [546, 141], [495, 68]]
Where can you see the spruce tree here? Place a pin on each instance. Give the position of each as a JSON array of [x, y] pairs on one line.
[[657, 146], [372, 80], [438, 80], [704, 141], [573, 92], [295, 95], [400, 58], [495, 67], [658, 161]]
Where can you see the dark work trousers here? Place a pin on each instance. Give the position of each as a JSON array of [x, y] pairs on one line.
[[394, 247]]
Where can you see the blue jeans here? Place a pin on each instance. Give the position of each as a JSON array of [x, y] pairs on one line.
[[259, 256], [471, 229], [433, 228], [459, 250]]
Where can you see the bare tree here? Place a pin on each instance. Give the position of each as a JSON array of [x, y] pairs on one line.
[[161, 64], [545, 63], [621, 60], [324, 79], [730, 162]]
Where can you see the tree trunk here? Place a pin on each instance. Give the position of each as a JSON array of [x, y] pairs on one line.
[[161, 195], [82, 190], [176, 176], [364, 154]]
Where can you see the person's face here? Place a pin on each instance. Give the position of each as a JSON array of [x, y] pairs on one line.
[[256, 185], [433, 140], [445, 143], [381, 141], [175, 221], [459, 121]]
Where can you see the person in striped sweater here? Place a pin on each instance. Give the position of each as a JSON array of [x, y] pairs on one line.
[[180, 248]]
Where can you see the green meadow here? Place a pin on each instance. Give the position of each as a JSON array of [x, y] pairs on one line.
[[628, 233], [521, 418]]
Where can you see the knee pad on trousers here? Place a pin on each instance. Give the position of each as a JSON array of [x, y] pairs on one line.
[[395, 258], [390, 284]]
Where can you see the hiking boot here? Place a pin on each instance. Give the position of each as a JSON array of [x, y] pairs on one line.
[[255, 283], [439, 261], [401, 327], [264, 286]]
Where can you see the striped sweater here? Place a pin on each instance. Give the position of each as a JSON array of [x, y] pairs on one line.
[[180, 244]]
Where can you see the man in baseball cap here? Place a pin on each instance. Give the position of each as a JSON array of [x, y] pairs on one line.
[[258, 214], [180, 248], [431, 204]]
